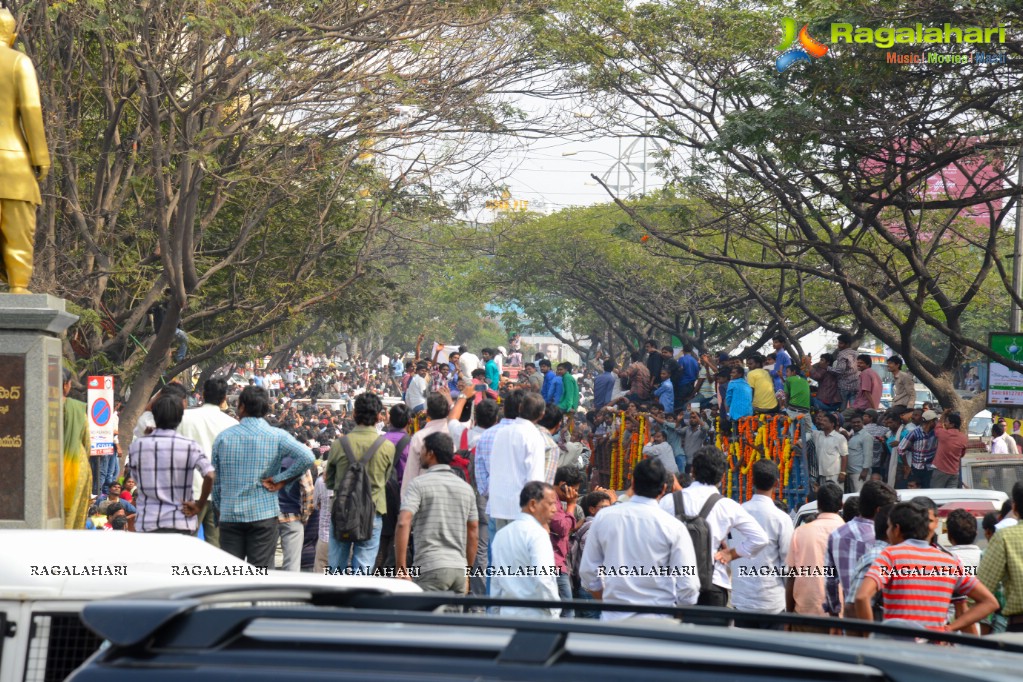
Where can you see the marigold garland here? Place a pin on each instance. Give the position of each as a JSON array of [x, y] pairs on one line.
[[759, 437]]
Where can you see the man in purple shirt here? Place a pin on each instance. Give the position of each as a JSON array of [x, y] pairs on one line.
[[782, 361], [566, 483], [397, 432], [848, 544], [604, 385]]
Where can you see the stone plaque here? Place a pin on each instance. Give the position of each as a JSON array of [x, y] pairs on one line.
[[12, 437]]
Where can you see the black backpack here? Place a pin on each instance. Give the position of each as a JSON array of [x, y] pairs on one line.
[[352, 511], [699, 531]]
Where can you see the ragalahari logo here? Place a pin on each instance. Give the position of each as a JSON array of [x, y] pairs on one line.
[[807, 48]]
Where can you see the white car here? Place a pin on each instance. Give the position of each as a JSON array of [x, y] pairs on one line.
[[980, 425], [941, 497], [48, 576]]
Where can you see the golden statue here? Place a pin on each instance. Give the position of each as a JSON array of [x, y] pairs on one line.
[[24, 159]]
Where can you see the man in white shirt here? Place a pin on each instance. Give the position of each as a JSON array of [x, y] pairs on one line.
[[832, 450], [1001, 442], [725, 516], [523, 557], [636, 553], [467, 362], [415, 394], [516, 459], [757, 585], [203, 424]]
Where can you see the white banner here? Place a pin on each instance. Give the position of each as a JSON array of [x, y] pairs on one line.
[[444, 352], [101, 415]]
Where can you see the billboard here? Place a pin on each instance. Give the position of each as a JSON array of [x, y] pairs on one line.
[[1005, 387]]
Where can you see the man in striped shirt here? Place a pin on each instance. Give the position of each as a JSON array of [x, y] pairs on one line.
[[162, 463], [441, 508], [919, 581]]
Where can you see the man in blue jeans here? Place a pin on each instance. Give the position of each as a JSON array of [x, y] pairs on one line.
[[360, 556]]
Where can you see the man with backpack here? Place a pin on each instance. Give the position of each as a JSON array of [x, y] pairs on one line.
[[710, 518], [441, 507], [358, 467], [636, 553]]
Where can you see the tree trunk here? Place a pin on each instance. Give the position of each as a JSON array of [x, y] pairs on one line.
[[149, 375]]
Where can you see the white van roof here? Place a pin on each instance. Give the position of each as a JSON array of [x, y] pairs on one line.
[[42, 564]]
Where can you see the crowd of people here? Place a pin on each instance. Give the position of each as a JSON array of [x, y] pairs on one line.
[[481, 482]]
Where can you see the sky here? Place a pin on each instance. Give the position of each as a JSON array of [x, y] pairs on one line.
[[553, 174]]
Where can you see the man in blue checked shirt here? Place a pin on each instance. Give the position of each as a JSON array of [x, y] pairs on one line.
[[249, 476]]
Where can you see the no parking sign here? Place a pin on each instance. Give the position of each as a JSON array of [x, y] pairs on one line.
[[101, 413]]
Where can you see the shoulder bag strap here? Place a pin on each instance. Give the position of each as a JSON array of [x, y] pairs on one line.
[[347, 447], [368, 457], [708, 505], [680, 508]]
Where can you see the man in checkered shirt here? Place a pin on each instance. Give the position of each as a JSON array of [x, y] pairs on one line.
[[247, 458]]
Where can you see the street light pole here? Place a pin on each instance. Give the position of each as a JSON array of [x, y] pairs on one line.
[[1017, 252]]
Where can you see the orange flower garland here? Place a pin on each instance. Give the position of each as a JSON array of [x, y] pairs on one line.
[[758, 437]]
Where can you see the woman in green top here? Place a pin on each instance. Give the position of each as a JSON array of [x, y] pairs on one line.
[[77, 473]]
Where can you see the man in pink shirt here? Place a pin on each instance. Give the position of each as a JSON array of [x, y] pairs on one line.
[[566, 483], [951, 448], [869, 396], [805, 584]]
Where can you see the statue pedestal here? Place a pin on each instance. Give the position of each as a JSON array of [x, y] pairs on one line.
[[31, 404]]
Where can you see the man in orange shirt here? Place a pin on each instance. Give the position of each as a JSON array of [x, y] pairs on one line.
[[805, 584]]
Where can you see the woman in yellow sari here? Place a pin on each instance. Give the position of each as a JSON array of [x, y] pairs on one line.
[[77, 472]]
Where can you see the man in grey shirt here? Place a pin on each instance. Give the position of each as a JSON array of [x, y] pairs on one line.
[[441, 509], [861, 454], [695, 435], [661, 450]]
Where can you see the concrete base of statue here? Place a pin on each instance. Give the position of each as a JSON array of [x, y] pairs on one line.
[[31, 404]]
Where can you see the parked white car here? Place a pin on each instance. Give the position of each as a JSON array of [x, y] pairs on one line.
[[47, 577], [941, 497]]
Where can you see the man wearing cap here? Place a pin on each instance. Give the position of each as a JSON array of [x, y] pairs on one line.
[[919, 447]]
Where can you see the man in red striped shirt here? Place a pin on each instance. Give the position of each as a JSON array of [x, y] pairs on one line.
[[917, 580]]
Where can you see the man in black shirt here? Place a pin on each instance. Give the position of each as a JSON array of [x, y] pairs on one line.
[[653, 361]]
